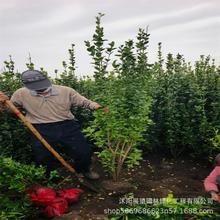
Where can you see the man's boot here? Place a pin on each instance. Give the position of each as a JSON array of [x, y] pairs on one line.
[[91, 175]]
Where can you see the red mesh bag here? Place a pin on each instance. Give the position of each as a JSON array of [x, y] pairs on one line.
[[71, 195], [41, 196], [58, 207], [54, 203]]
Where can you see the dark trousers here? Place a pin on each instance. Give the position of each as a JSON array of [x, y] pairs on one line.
[[68, 136]]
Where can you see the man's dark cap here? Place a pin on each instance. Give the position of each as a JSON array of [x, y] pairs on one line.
[[35, 80]]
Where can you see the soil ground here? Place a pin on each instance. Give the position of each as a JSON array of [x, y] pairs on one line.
[[155, 177]]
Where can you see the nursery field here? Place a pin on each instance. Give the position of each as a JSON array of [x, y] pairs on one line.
[[154, 143], [154, 178]]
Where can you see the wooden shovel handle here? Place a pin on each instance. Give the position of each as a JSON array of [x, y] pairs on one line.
[[13, 108]]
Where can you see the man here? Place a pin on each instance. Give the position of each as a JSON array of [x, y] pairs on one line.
[[48, 109], [212, 181]]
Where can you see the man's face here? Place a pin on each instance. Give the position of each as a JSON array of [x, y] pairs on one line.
[[40, 91]]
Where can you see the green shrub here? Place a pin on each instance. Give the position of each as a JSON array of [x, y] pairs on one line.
[[14, 179], [216, 142], [119, 132], [13, 134], [186, 106], [124, 91]]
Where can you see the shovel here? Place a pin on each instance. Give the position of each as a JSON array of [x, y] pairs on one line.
[[85, 183]]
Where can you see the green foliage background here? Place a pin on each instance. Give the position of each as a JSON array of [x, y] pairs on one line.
[[185, 108]]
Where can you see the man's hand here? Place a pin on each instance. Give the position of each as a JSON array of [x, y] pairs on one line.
[[106, 109], [215, 196], [98, 106], [3, 97]]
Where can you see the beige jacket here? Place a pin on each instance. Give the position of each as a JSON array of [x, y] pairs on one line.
[[51, 108]]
